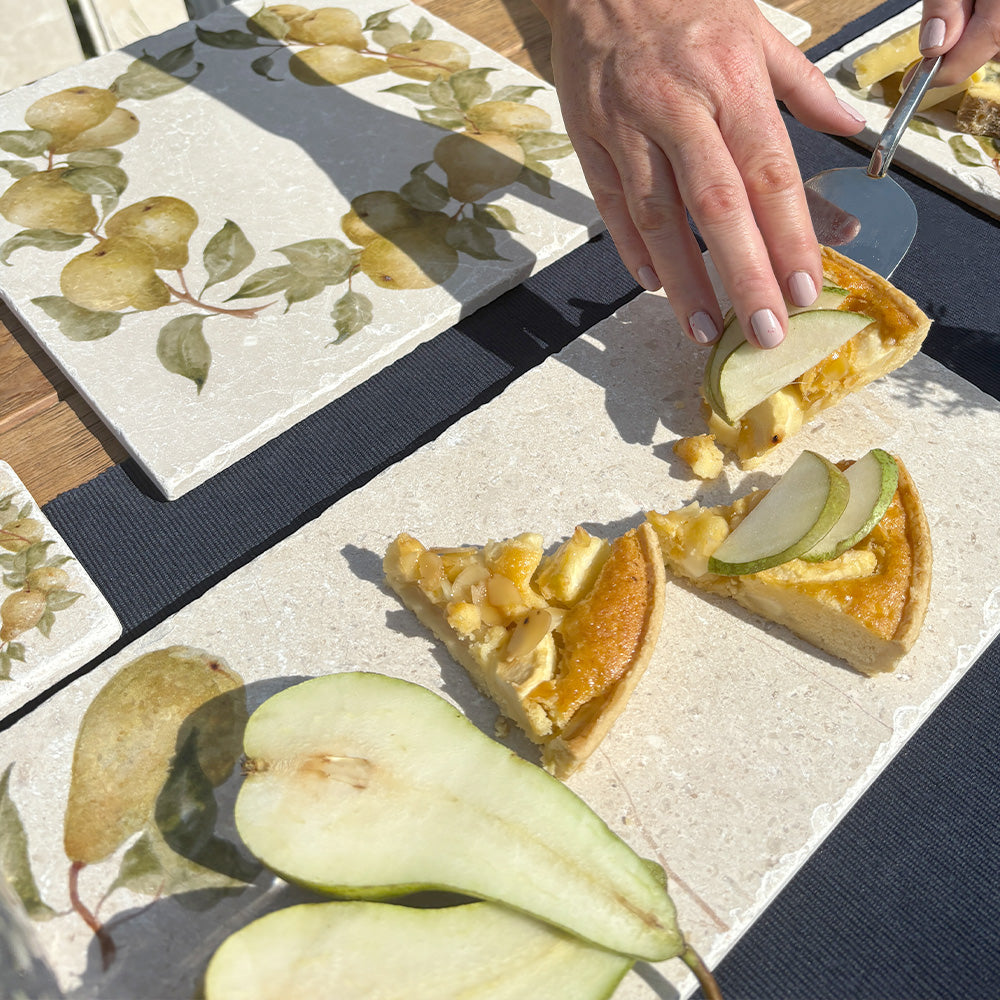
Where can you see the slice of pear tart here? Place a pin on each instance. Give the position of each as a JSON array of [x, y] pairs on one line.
[[558, 641], [860, 328], [839, 554]]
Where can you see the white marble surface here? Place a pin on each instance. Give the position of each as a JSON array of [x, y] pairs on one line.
[[742, 746], [282, 160], [79, 628], [795, 29], [39, 38], [931, 148]]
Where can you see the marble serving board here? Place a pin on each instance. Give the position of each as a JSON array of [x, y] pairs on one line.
[[742, 746], [64, 623], [931, 147], [270, 317]]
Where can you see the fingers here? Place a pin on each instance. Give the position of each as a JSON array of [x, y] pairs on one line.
[[966, 32]]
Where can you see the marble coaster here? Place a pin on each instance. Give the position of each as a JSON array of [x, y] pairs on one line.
[[931, 147], [742, 746], [251, 303], [53, 619], [795, 29]]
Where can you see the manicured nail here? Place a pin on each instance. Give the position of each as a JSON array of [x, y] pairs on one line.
[[853, 112], [766, 328], [703, 328], [932, 34], [647, 278], [802, 288]]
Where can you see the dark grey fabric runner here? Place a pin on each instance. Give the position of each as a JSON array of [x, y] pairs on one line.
[[903, 900]]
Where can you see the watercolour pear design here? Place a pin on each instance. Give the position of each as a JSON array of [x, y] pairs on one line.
[[118, 273], [120, 126], [323, 65], [428, 59], [164, 223], [67, 113], [408, 259], [478, 163], [327, 26], [44, 200]]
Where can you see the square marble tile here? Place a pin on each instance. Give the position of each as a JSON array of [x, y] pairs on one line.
[[53, 619], [931, 147], [741, 748], [256, 307]]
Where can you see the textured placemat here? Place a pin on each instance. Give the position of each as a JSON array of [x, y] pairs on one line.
[[899, 901]]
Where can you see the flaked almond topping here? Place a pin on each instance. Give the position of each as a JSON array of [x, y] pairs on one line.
[[502, 591], [470, 577], [530, 631]]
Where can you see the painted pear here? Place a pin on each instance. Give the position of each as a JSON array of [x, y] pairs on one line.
[[377, 213], [120, 126], [67, 113], [21, 533], [285, 12], [357, 951], [19, 612], [508, 117], [409, 258], [163, 222], [477, 163], [43, 200], [119, 273], [129, 735], [368, 787], [327, 26], [428, 59], [323, 65]]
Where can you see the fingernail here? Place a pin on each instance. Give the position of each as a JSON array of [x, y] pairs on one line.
[[647, 278], [932, 34], [802, 288], [766, 328], [703, 328], [853, 112]]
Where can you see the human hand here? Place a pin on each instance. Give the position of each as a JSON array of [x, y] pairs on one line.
[[671, 107], [967, 30]]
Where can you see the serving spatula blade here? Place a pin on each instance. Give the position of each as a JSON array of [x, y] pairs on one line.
[[863, 212]]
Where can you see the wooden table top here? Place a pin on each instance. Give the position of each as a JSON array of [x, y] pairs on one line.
[[48, 433]]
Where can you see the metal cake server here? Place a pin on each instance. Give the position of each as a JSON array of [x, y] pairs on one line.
[[861, 211]]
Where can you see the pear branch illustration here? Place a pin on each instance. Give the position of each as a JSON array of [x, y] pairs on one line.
[[38, 582]]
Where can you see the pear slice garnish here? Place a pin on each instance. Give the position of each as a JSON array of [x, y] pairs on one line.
[[748, 375], [359, 950], [799, 510], [872, 479], [733, 336]]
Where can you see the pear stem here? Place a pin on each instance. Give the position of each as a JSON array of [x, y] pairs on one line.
[[100, 931], [709, 987], [249, 313]]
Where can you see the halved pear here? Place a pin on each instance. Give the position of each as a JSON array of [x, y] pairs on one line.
[[872, 479], [366, 786], [800, 509], [749, 374], [361, 951], [733, 335]]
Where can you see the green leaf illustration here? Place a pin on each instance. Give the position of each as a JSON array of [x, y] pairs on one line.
[[17, 168], [535, 176], [94, 158], [270, 23], [470, 85], [226, 254], [424, 192], [442, 117], [45, 623], [518, 94], [40, 239], [328, 260], [965, 153], [231, 39], [390, 33], [148, 78], [989, 146], [442, 93], [379, 18], [15, 864], [183, 350], [263, 66], [351, 312], [303, 288], [421, 30], [32, 142], [473, 238], [419, 93], [267, 281], [59, 600], [495, 217], [107, 182], [545, 145], [76, 323], [925, 127]]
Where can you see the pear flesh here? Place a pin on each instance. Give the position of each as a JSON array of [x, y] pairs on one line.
[[366, 786], [872, 479], [368, 951], [799, 510], [749, 374]]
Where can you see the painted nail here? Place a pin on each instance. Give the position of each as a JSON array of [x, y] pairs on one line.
[[647, 278], [932, 34], [703, 328], [802, 288], [766, 328], [853, 112]]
